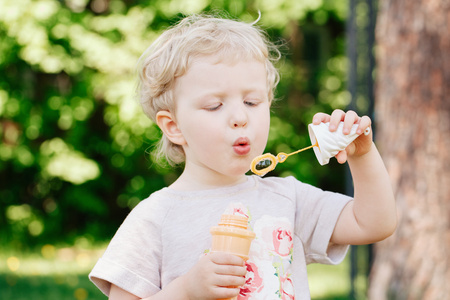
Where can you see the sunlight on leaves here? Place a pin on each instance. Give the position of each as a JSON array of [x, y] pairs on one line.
[[280, 12], [18, 212], [13, 263], [3, 100], [66, 163], [24, 218]]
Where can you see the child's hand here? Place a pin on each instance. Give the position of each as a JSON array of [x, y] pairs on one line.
[[216, 276], [360, 145]]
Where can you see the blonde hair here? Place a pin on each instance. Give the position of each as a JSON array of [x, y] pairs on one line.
[[169, 56]]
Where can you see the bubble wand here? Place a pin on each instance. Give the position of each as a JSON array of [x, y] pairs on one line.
[[263, 164], [326, 144]]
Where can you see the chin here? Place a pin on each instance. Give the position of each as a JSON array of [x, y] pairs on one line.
[[238, 171]]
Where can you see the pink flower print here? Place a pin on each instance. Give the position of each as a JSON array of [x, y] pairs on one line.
[[240, 212], [238, 209], [253, 282], [282, 241], [287, 289]]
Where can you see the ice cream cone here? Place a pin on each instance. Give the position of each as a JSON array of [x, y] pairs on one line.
[[330, 143], [232, 236]]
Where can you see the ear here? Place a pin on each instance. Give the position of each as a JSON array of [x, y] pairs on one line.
[[169, 127]]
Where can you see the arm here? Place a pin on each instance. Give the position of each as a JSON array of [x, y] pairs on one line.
[[215, 276], [371, 216]]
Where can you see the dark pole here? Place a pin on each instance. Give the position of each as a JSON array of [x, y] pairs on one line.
[[370, 29], [352, 57], [353, 88]]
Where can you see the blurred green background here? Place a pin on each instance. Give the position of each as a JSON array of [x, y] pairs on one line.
[[74, 148]]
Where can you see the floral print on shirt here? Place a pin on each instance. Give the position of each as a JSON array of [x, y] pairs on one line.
[[269, 273]]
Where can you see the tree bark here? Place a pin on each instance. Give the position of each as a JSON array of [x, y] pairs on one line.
[[413, 126]]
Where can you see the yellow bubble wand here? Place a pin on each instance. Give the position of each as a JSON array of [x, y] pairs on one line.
[[263, 164], [328, 145]]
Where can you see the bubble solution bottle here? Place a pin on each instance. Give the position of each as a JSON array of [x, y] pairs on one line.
[[232, 236]]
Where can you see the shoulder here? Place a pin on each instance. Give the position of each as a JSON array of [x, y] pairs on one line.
[[292, 188], [152, 209], [283, 185], [159, 198]]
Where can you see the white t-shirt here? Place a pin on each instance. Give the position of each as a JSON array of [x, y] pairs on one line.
[[166, 234]]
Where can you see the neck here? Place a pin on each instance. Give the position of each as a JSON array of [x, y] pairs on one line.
[[199, 179]]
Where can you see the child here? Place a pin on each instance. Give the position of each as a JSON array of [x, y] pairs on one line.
[[208, 83]]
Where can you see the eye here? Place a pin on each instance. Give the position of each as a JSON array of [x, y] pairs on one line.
[[251, 102], [213, 107]]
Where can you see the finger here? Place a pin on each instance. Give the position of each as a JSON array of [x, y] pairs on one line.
[[337, 116], [341, 157], [320, 117], [222, 292], [351, 118], [231, 270], [364, 123], [223, 258], [230, 281]]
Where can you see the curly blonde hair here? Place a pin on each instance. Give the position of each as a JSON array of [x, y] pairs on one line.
[[169, 56]]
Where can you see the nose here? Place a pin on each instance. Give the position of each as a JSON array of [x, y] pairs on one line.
[[238, 117]]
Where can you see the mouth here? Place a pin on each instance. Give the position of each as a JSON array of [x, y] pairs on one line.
[[242, 146]]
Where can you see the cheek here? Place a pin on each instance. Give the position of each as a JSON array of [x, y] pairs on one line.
[[264, 125], [204, 133]]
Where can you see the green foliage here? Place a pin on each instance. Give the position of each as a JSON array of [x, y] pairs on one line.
[[73, 148]]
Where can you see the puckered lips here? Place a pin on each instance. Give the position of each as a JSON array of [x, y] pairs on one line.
[[242, 146]]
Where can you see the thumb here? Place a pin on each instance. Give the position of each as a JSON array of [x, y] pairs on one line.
[[341, 157]]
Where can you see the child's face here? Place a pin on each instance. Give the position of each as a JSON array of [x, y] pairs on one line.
[[223, 112]]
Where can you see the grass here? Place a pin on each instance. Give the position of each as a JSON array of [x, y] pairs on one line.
[[333, 282], [61, 273], [62, 287], [49, 274], [329, 282]]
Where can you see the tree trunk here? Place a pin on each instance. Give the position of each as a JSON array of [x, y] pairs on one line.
[[413, 126]]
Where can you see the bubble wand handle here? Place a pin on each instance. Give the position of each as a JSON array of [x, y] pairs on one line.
[[282, 159]]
